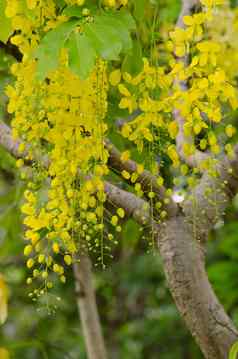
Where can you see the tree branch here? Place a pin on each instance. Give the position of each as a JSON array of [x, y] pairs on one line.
[[184, 266], [146, 179], [186, 9], [120, 122], [198, 156], [181, 242], [209, 199], [86, 301], [7, 141], [133, 205]]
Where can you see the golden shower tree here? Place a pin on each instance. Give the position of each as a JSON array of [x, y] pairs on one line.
[[78, 64]]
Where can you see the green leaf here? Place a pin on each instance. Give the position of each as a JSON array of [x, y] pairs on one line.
[[5, 23], [170, 12], [81, 54], [60, 3], [104, 39], [48, 51], [107, 36], [139, 9], [234, 351], [125, 17], [110, 33], [73, 11], [133, 62], [119, 27]]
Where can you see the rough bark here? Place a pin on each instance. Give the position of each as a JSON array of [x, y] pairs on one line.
[[183, 260], [86, 301]]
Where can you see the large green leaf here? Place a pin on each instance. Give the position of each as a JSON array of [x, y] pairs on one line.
[[5, 23], [132, 62], [48, 51], [119, 27], [139, 9], [73, 11], [81, 54], [107, 36], [60, 3], [104, 39], [126, 18]]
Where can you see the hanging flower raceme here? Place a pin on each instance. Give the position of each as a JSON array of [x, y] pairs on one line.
[[62, 121], [160, 92]]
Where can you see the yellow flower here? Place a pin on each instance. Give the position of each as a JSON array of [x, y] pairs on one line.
[[30, 263], [125, 156], [41, 258], [114, 220], [173, 129], [230, 130], [56, 268], [115, 77], [126, 174], [63, 279], [19, 163], [172, 153], [123, 90], [68, 259], [160, 181], [110, 3], [28, 249], [44, 274], [11, 8], [212, 3], [55, 247], [121, 212], [140, 169]]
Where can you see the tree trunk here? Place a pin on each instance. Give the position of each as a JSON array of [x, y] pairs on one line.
[[184, 267], [86, 301]]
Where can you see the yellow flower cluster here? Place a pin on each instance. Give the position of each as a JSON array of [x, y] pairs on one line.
[[137, 92], [209, 87], [223, 29], [62, 120], [158, 91], [28, 20]]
